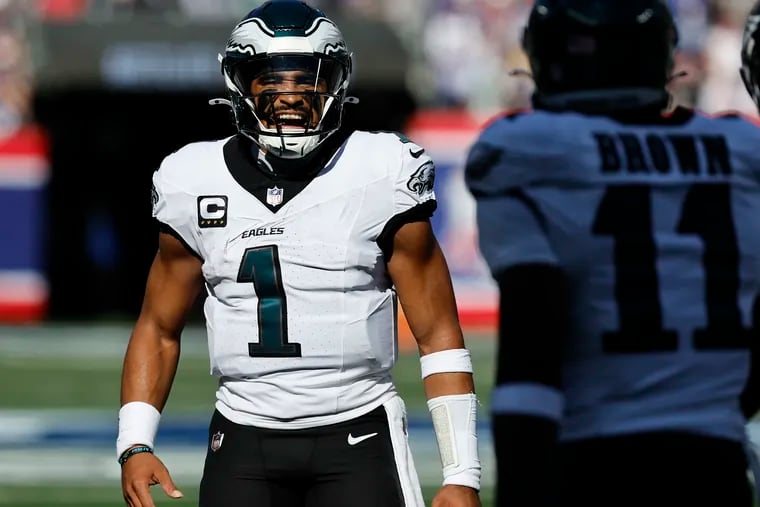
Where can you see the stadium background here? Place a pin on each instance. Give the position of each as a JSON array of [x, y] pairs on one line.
[[93, 93]]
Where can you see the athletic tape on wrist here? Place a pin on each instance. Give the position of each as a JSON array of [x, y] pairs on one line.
[[446, 361], [455, 424], [138, 424]]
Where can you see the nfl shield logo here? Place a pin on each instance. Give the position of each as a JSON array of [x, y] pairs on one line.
[[216, 441], [274, 196]]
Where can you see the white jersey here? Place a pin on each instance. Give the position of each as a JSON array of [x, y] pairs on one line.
[[300, 310], [656, 227]]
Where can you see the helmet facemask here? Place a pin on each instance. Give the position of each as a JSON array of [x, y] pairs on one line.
[[287, 104], [287, 68]]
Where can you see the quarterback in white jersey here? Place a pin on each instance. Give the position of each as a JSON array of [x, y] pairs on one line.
[[302, 234], [300, 309], [626, 245]]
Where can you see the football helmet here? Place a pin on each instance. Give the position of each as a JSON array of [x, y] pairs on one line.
[[599, 55], [287, 68], [750, 69]]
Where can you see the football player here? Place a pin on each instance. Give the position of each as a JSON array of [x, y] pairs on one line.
[[750, 69], [302, 235], [623, 233]]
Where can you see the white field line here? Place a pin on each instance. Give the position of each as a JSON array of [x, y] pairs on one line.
[[97, 465]]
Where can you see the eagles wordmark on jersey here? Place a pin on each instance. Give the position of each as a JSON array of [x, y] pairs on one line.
[[299, 308], [656, 228]]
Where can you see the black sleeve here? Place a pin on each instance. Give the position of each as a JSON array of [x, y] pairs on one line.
[[750, 397], [167, 229], [418, 213], [533, 322]]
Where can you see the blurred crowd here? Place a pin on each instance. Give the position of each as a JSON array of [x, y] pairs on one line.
[[464, 53], [476, 64]]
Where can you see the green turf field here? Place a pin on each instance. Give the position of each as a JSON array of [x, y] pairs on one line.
[[91, 380], [76, 370], [105, 496]]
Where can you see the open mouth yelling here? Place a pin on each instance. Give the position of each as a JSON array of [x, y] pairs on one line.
[[292, 120]]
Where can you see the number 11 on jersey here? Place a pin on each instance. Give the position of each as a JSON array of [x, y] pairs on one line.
[[625, 213], [261, 266]]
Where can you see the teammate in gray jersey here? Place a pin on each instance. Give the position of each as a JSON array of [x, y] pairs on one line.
[[624, 237], [750, 73], [302, 235]]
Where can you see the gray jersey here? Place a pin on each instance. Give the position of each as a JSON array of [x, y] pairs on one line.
[[300, 310], [657, 228]]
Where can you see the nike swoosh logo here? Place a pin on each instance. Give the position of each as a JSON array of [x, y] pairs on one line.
[[416, 154], [352, 440]]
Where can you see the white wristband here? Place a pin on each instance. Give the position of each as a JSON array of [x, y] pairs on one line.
[[446, 361], [454, 421], [138, 424]]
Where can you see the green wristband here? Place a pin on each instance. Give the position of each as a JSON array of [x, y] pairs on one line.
[[131, 452]]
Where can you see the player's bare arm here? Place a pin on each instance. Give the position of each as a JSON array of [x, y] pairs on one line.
[[150, 363], [421, 277]]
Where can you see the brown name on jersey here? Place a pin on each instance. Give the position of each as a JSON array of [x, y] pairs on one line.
[[623, 152]]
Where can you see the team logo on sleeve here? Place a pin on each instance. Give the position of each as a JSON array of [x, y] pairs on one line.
[[421, 182], [154, 198], [212, 211], [481, 159]]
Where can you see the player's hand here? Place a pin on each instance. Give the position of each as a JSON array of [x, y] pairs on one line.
[[139, 473], [456, 496]]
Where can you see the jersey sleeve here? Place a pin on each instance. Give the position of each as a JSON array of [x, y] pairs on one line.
[[512, 228], [414, 183], [511, 231], [413, 193], [174, 208], [519, 152]]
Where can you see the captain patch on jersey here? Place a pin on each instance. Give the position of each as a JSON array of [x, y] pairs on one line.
[[212, 211]]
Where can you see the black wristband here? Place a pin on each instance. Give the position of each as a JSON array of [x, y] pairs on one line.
[[131, 452]]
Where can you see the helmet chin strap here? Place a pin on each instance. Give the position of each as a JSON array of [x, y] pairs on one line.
[[293, 168], [289, 147]]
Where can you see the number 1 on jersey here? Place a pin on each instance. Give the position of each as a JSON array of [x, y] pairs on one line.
[[261, 266]]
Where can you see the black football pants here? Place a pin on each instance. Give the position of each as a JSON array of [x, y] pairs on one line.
[[349, 464]]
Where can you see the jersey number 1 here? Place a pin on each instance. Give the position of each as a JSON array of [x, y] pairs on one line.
[[261, 265], [625, 213]]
